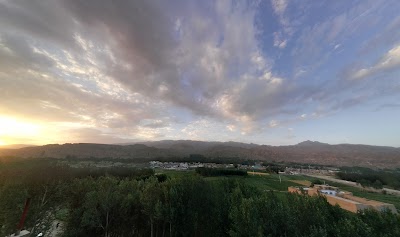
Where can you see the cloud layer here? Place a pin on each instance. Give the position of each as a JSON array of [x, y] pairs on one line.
[[112, 71]]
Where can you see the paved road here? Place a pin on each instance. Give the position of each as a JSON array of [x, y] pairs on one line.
[[329, 178]]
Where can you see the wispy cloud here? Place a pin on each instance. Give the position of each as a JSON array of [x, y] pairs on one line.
[[280, 7], [280, 37], [388, 62]]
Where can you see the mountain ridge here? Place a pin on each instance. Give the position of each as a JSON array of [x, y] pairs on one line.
[[304, 152]]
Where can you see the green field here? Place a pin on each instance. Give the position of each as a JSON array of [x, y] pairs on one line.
[[174, 173], [263, 183], [273, 183], [270, 182]]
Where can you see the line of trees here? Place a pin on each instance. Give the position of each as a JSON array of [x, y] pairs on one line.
[[220, 172], [372, 178], [133, 205]]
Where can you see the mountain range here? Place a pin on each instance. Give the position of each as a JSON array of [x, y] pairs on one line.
[[309, 152]]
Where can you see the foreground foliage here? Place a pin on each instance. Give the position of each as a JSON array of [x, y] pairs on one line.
[[138, 203]]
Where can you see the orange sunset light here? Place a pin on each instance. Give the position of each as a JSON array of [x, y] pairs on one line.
[[12, 129]]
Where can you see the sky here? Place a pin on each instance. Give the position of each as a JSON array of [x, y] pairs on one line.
[[274, 72]]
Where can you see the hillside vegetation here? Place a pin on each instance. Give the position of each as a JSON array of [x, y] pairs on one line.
[[305, 152], [139, 203]]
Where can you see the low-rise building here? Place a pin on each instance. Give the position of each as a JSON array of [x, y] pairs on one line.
[[345, 200]]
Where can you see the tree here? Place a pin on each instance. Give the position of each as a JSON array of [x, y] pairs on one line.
[[150, 199]]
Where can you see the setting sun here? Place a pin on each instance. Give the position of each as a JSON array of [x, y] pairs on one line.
[[12, 130], [14, 127]]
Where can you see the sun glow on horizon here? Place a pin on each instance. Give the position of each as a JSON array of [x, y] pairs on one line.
[[13, 130], [15, 127]]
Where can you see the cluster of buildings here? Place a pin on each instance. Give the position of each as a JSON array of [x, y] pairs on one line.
[[310, 170], [186, 165], [193, 165], [345, 200]]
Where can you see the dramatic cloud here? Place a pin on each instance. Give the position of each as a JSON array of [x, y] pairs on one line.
[[119, 71]]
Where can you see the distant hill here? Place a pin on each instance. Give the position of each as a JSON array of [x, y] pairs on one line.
[[15, 146], [88, 150], [304, 152], [195, 145]]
